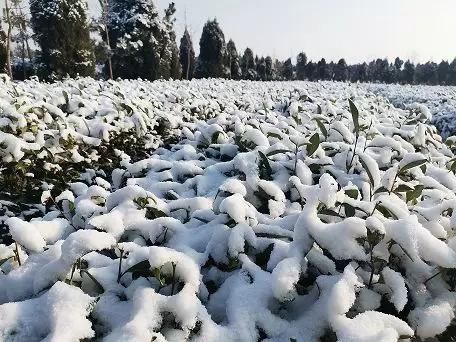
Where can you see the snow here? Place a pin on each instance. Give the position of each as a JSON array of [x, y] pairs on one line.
[[197, 235]]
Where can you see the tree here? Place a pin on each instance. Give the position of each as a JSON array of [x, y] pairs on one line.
[[361, 72], [62, 32], [443, 72], [426, 73], [341, 71], [301, 63], [232, 57], [143, 43], [169, 64], [322, 70], [287, 70], [3, 50], [398, 63], [269, 68], [261, 68], [248, 65], [311, 71], [408, 74], [9, 21], [452, 73], [187, 55], [104, 4], [211, 61]]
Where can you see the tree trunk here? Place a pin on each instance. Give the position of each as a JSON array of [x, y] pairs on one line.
[[8, 41]]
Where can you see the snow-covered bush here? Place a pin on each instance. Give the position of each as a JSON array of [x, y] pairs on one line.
[[281, 212]]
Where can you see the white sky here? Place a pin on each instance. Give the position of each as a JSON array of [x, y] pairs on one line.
[[358, 30]]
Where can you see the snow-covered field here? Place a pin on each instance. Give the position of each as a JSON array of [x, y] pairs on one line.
[[440, 100], [244, 211]]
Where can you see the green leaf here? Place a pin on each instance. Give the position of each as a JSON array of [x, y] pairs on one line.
[[273, 153], [157, 274], [274, 135], [314, 142], [386, 212], [265, 167], [453, 166], [319, 111], [321, 126], [355, 115], [328, 212], [369, 174], [349, 210], [153, 213], [139, 267], [403, 188], [72, 207], [65, 95], [411, 165], [352, 193], [215, 136], [415, 193], [97, 283], [2, 261], [380, 190]]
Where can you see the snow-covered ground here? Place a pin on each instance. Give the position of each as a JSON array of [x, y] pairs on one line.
[[278, 212]]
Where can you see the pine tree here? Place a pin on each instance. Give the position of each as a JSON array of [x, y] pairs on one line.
[[261, 69], [301, 62], [269, 68], [452, 73], [287, 71], [408, 74], [322, 70], [169, 65], [187, 55], [311, 71], [143, 44], [62, 32], [233, 62], [341, 71], [248, 65], [443, 71], [211, 61]]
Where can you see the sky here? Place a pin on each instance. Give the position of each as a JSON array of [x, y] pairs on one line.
[[357, 30]]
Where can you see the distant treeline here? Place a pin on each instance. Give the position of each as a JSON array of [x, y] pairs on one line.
[[132, 39]]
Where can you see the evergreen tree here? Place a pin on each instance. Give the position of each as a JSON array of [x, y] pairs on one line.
[[187, 56], [398, 63], [341, 71], [62, 32], [443, 71], [287, 71], [322, 70], [261, 68], [452, 73], [211, 61], [277, 70], [301, 63], [248, 65], [408, 74], [232, 57], [426, 73], [311, 71], [170, 66], [143, 44], [269, 68]]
